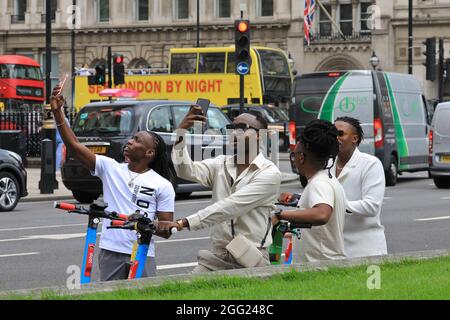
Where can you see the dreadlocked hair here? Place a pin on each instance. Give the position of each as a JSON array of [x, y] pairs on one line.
[[319, 140], [355, 124], [162, 164]]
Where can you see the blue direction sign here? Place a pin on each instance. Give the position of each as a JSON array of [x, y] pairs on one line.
[[243, 68]]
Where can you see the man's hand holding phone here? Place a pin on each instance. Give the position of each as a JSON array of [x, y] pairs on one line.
[[195, 114]]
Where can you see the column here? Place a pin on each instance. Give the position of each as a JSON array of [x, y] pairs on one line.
[[334, 16], [355, 16]]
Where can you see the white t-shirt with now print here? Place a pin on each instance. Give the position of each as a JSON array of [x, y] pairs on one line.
[[149, 193], [324, 242]]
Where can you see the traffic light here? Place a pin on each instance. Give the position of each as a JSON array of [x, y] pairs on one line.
[[242, 46], [447, 70], [118, 69], [100, 75], [430, 58]]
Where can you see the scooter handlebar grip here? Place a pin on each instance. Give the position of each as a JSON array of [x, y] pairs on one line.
[[173, 230], [123, 217], [117, 223], [65, 206]]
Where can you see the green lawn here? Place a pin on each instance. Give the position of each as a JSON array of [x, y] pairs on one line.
[[427, 279]]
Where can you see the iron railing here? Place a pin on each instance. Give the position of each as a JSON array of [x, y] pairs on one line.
[[360, 36]]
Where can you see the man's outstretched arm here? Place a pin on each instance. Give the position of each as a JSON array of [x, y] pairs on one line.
[[81, 152]]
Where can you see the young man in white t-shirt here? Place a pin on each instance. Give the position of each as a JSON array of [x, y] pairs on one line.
[[323, 202], [141, 183]]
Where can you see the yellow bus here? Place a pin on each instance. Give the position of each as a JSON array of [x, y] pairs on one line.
[[208, 73]]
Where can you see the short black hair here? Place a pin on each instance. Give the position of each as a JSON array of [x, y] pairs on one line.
[[319, 139], [355, 124]]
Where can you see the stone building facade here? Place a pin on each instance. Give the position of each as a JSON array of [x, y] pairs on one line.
[[145, 30]]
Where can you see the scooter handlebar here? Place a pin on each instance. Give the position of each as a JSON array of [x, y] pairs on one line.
[[64, 206]]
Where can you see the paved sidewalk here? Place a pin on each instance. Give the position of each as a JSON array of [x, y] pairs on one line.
[[62, 193]]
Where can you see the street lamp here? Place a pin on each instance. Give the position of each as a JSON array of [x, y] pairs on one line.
[[374, 60]]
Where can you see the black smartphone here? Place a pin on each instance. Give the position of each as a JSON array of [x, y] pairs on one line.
[[204, 103]]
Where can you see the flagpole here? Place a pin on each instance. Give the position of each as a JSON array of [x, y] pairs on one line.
[[331, 19]]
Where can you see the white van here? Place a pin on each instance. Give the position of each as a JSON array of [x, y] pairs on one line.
[[390, 106], [440, 146]]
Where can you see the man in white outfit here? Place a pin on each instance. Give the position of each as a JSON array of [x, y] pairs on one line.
[[362, 177]]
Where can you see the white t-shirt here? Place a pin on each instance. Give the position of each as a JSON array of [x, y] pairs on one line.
[[150, 193], [327, 241]]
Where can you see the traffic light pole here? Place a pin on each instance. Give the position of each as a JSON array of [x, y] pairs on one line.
[[441, 70], [109, 68]]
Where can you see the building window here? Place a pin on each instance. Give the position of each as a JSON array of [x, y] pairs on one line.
[[223, 8], [345, 19], [142, 13], [103, 10], [324, 21], [20, 7], [365, 17], [54, 72], [264, 8], [181, 9], [53, 7]]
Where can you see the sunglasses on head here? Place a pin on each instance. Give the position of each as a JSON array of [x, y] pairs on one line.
[[241, 126]]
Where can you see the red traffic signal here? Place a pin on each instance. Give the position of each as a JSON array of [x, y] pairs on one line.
[[242, 26], [118, 59]]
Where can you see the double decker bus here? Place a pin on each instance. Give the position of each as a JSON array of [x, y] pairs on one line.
[[21, 83], [208, 73]]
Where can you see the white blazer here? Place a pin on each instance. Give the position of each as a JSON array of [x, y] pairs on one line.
[[364, 184]]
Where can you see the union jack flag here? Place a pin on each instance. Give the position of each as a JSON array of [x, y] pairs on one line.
[[308, 16]]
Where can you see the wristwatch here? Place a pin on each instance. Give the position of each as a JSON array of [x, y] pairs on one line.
[[277, 213]]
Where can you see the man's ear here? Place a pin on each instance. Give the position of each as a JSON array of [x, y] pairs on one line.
[[150, 153]]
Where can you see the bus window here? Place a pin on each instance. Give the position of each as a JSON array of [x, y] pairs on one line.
[[273, 63], [183, 63], [231, 66], [213, 62], [17, 71]]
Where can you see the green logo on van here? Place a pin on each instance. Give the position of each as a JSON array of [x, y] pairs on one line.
[[349, 104]]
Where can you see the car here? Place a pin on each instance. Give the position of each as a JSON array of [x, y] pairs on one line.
[[276, 118], [440, 146], [391, 107], [105, 127], [13, 180]]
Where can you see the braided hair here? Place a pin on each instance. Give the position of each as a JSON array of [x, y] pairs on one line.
[[355, 124], [162, 164], [319, 140]]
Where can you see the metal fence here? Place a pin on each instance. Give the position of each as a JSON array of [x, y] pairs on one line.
[[30, 124]]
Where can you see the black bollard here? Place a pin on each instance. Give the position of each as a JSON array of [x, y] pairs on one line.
[[49, 132], [46, 184]]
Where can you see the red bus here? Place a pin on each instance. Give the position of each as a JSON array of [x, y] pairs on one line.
[[21, 83]]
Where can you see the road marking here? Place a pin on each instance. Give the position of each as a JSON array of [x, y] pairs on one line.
[[19, 254], [43, 227], [434, 219], [49, 237], [175, 266], [445, 198], [193, 201], [180, 240]]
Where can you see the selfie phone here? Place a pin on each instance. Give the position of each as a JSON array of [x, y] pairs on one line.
[[62, 83], [204, 103]]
